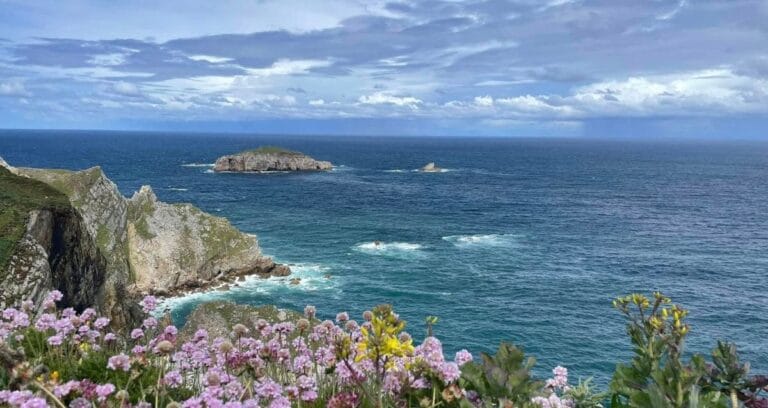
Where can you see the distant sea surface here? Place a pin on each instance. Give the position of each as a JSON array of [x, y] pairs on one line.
[[525, 240]]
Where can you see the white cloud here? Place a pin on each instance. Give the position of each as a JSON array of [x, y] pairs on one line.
[[288, 67], [14, 88], [384, 98], [126, 89], [484, 101], [209, 58], [108, 60], [317, 102]]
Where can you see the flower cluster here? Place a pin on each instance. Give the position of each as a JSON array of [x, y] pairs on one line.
[[304, 362]]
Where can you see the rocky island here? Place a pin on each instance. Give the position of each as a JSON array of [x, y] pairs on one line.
[[269, 158], [74, 231]]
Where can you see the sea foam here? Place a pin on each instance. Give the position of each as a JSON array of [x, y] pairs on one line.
[[391, 249], [197, 165], [481, 240]]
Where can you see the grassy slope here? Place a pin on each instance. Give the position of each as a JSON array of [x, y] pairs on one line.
[[18, 196]]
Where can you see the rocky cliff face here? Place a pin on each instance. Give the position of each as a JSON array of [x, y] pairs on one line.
[[106, 250], [269, 159]]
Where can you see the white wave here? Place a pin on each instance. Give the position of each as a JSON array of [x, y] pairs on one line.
[[481, 240], [303, 277], [178, 189], [436, 171], [391, 249], [395, 171], [209, 171], [197, 165]]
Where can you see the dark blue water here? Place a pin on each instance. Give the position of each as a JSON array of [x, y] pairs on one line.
[[523, 240]]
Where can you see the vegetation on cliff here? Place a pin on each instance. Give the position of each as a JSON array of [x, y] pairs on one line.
[[272, 150], [18, 197], [61, 358]]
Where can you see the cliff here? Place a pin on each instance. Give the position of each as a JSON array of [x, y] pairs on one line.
[[269, 159], [105, 250]]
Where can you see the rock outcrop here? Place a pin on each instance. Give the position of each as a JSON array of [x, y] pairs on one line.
[[431, 168], [269, 159], [101, 249], [219, 317]]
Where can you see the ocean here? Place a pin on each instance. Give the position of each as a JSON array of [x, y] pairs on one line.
[[526, 240]]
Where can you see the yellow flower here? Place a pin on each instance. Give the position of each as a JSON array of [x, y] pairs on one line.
[[55, 376]]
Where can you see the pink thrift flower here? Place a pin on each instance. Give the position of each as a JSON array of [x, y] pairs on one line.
[[119, 362]]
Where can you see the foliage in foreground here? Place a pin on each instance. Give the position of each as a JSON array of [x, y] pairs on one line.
[[62, 358]]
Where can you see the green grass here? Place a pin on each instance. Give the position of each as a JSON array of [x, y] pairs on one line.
[[272, 150], [18, 196]]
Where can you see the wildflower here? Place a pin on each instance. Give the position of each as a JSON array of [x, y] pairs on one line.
[[310, 311], [226, 347], [122, 395], [172, 379], [137, 334], [55, 340], [213, 379], [50, 300], [149, 323], [344, 400], [110, 337], [103, 391], [367, 315], [268, 389], [240, 330], [351, 326], [80, 403], [45, 321], [148, 304], [302, 325], [119, 362], [449, 372], [462, 357], [65, 389], [280, 402], [164, 347], [342, 317], [36, 402]]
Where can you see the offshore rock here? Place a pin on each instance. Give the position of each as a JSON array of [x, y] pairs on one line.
[[269, 159]]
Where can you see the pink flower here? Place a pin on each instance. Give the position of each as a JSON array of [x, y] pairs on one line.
[[149, 303], [342, 317], [172, 379], [103, 391], [101, 323], [462, 357], [55, 340], [119, 362], [137, 334], [36, 402]]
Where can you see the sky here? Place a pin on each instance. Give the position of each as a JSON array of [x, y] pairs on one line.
[[603, 68]]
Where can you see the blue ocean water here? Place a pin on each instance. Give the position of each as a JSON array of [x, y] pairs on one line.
[[526, 240]]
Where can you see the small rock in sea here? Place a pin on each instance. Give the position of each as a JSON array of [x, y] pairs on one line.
[[223, 288], [327, 276], [241, 278], [295, 281], [280, 270]]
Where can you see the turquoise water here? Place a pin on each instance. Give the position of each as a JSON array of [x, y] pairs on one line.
[[522, 239]]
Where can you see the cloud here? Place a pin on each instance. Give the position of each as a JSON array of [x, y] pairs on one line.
[[383, 98], [13, 88], [210, 58], [125, 89], [487, 61]]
